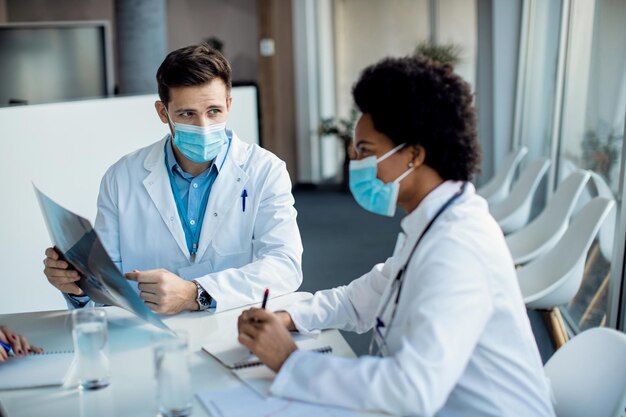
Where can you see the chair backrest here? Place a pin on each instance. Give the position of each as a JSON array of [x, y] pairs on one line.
[[546, 230], [607, 232], [498, 187], [554, 278], [513, 213], [588, 374]]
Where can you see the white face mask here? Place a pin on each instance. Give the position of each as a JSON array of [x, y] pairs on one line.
[[371, 193]]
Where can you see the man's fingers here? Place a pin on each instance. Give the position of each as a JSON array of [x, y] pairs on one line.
[[149, 297], [151, 288], [132, 276], [71, 289], [148, 277], [62, 280], [3, 355], [51, 253], [62, 273], [152, 306], [51, 263]]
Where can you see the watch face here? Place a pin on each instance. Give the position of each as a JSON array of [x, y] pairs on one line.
[[204, 299]]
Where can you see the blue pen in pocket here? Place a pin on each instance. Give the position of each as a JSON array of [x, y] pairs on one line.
[[244, 194]]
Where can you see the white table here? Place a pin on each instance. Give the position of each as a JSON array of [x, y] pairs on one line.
[[132, 389]]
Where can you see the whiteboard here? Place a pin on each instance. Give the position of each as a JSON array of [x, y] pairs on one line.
[[65, 148]]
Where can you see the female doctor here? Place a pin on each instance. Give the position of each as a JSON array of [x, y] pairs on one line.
[[450, 332]]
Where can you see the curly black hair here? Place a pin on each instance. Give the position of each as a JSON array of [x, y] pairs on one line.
[[417, 101]]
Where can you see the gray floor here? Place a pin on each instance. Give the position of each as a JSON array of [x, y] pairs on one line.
[[342, 241]]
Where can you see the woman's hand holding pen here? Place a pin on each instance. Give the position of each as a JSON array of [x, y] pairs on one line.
[[266, 335], [13, 342]]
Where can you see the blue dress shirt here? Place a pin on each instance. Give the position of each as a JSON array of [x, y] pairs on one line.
[[191, 195]]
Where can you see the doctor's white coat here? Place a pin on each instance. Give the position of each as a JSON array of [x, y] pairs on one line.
[[241, 251], [460, 343]]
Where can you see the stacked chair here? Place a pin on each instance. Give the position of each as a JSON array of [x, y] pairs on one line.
[[546, 230], [513, 212], [499, 186], [554, 277]]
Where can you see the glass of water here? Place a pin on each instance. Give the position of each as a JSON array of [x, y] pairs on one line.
[[89, 330], [171, 366]]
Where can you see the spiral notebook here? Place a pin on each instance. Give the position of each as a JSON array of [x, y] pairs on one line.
[[248, 368], [35, 370], [237, 359]]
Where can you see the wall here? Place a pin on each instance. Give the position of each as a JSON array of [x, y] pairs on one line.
[[188, 21], [276, 82], [47, 10], [233, 21], [3, 11], [457, 24], [368, 30]]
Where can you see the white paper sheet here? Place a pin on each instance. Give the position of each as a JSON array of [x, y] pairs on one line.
[[244, 402]]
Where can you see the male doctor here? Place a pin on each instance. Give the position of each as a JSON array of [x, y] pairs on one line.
[[200, 220]]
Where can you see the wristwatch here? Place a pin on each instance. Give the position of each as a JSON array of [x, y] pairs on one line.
[[203, 298]]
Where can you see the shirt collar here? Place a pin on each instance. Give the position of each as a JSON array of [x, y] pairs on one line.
[[428, 207]]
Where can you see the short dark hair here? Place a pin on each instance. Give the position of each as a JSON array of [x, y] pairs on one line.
[[190, 66], [417, 101]]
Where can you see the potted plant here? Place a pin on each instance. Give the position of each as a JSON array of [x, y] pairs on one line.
[[343, 129], [448, 53], [601, 150]]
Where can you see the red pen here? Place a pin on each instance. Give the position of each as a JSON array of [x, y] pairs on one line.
[[265, 297]]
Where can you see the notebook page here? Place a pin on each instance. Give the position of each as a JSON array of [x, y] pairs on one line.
[[31, 371]]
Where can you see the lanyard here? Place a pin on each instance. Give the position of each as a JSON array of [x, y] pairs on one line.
[[377, 336], [191, 236]]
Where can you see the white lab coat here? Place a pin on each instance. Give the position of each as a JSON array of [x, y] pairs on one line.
[[240, 253], [460, 344]]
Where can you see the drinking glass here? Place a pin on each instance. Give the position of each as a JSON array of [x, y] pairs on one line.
[[89, 330], [174, 394]]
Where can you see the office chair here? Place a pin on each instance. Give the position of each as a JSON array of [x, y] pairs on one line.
[[588, 374], [497, 188], [554, 278], [544, 232], [513, 213]]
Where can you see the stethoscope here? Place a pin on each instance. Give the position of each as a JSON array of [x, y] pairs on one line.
[[378, 339]]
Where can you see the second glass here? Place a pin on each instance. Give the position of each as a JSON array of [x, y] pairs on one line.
[[174, 394]]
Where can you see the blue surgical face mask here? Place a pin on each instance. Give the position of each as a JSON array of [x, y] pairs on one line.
[[371, 193], [200, 143]]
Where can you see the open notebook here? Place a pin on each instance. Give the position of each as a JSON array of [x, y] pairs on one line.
[[36, 370], [248, 368]]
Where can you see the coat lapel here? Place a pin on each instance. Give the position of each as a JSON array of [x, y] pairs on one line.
[[157, 184]]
